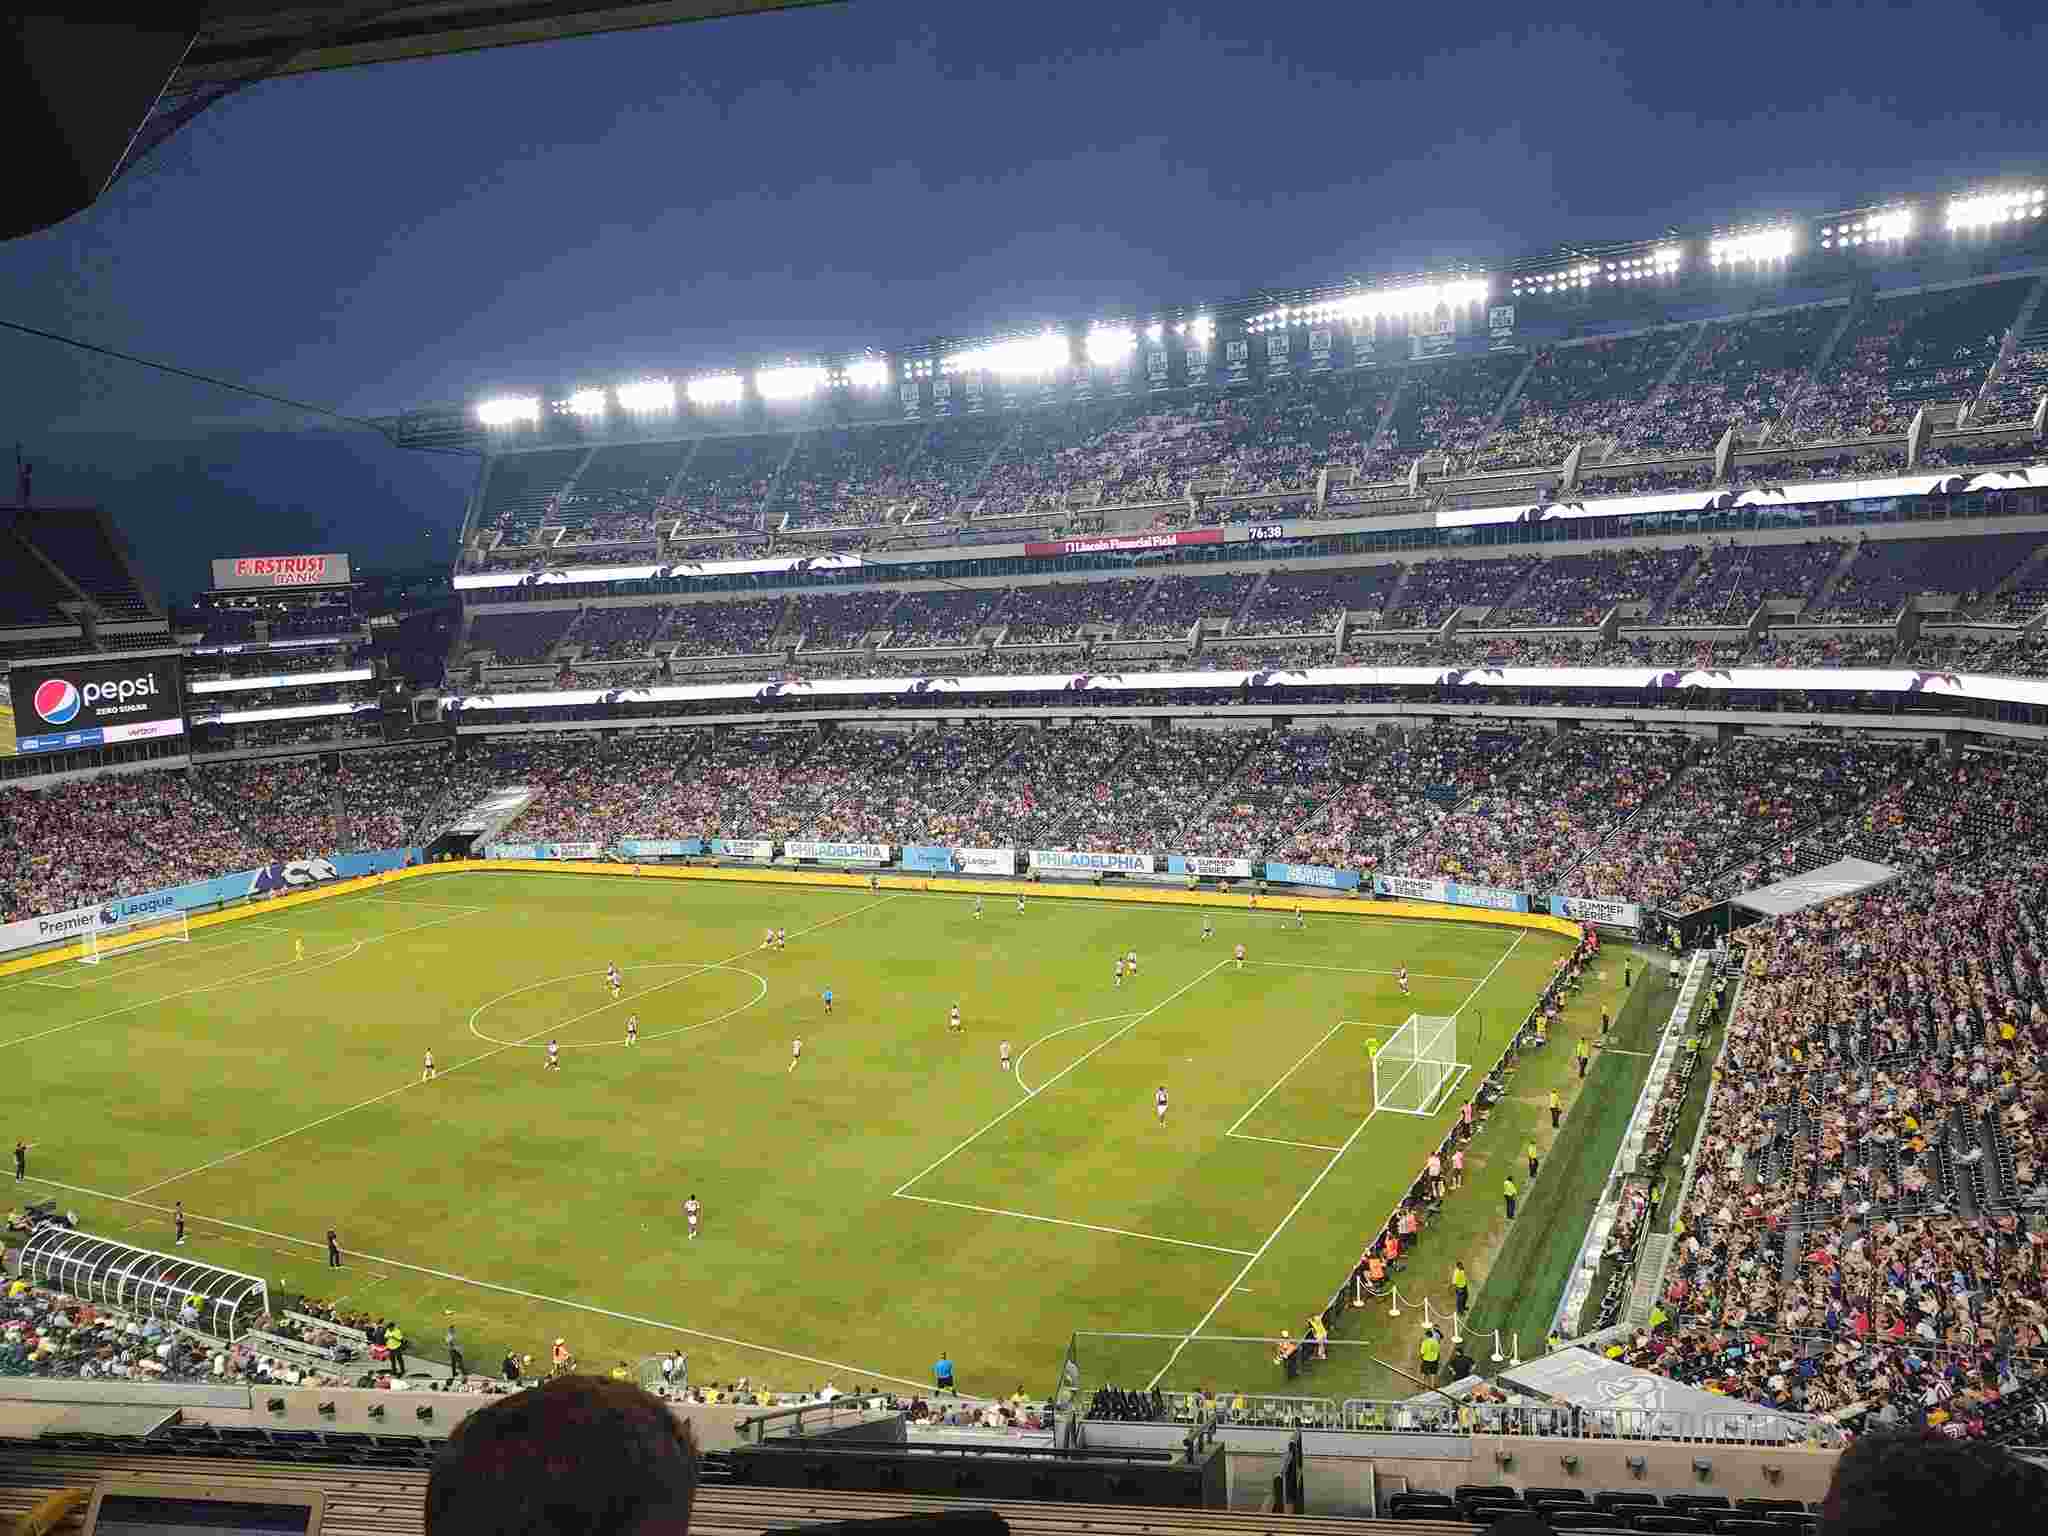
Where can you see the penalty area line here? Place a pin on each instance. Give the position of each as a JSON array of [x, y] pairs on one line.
[[1084, 1226], [385, 1262]]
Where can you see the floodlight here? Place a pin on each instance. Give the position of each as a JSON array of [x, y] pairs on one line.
[[1201, 328], [1023, 356], [647, 395], [509, 411], [1109, 345], [1154, 331], [585, 402], [1757, 245], [1989, 208], [716, 389], [792, 383], [868, 373]]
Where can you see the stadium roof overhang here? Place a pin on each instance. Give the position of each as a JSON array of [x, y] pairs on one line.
[[235, 38]]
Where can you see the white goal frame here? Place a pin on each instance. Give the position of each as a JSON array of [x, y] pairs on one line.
[[135, 933], [1416, 1066]]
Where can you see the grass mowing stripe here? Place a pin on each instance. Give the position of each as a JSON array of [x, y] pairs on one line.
[[1522, 1288]]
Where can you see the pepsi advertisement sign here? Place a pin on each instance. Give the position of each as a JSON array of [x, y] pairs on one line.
[[95, 704]]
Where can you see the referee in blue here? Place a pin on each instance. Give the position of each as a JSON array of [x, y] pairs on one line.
[[828, 999], [942, 1373]]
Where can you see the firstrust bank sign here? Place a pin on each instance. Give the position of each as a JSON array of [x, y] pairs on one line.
[[258, 571]]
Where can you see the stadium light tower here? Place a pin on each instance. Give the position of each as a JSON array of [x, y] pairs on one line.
[[511, 411], [868, 373], [716, 389], [1110, 345], [586, 403], [645, 397], [1754, 247], [784, 385], [1985, 211]]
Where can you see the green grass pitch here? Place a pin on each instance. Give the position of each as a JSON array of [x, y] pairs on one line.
[[893, 1195]]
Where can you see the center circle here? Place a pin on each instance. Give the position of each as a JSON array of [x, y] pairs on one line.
[[620, 1009]]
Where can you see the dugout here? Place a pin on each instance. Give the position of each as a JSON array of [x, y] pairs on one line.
[[117, 1274]]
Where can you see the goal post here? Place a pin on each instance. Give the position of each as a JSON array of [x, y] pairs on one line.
[[134, 933], [1415, 1066]]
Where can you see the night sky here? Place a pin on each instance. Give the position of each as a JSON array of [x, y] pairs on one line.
[[876, 173]]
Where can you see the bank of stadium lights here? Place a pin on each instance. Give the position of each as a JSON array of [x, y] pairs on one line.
[[1199, 331], [781, 385], [716, 389], [1021, 357], [1582, 274], [1662, 262], [1754, 246], [1109, 345], [510, 412], [585, 403], [1989, 210], [1888, 227], [646, 396], [868, 373], [1361, 308]]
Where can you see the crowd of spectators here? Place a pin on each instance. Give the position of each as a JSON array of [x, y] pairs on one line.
[[1579, 590], [1900, 353], [952, 616], [1737, 577], [1534, 819], [1581, 393], [1436, 587], [1741, 373], [842, 621], [1889, 573], [81, 843], [744, 627], [1056, 612], [2021, 383], [1855, 1237], [1734, 802], [45, 1333], [1176, 602], [1449, 408]]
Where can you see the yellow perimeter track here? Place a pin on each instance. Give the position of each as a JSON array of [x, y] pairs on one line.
[[1424, 911]]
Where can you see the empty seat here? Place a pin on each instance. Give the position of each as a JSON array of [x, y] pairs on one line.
[[1582, 1517], [1533, 1496], [1422, 1506], [1484, 1491], [1746, 1525], [1653, 1521], [1771, 1506], [1626, 1498], [1694, 1501]]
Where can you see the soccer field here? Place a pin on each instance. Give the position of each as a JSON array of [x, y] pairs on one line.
[[894, 1195]]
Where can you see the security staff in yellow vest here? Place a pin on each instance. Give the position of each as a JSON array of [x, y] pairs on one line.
[[1508, 1193], [1432, 1355], [1461, 1286]]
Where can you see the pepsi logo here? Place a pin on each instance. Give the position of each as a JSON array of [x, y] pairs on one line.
[[57, 701]]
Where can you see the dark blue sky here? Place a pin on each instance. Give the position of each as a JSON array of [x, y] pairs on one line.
[[879, 172]]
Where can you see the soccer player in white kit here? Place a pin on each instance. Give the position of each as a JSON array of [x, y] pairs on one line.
[[782, 938], [1208, 928], [1005, 1048], [953, 1020], [427, 1069], [767, 938], [633, 1029], [554, 1063], [796, 1050], [1240, 957], [691, 1211], [1402, 977], [1020, 903], [1131, 965], [977, 909], [1117, 972], [1159, 1103], [611, 980]]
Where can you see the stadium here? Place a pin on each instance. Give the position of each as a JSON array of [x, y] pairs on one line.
[[1420, 897]]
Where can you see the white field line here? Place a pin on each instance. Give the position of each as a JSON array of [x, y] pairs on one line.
[[1136, 1019], [1085, 1226], [1314, 1184], [1370, 1024], [1278, 1141], [860, 1372], [482, 1056], [277, 970], [192, 952], [413, 901], [1298, 1065], [1357, 970], [1018, 1068], [1615, 1050]]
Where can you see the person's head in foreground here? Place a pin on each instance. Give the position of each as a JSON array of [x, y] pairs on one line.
[[1921, 1483], [579, 1456]]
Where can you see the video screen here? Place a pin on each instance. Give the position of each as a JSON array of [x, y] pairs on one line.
[[94, 704]]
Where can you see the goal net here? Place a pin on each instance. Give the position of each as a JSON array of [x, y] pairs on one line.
[[134, 933], [1415, 1066]]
